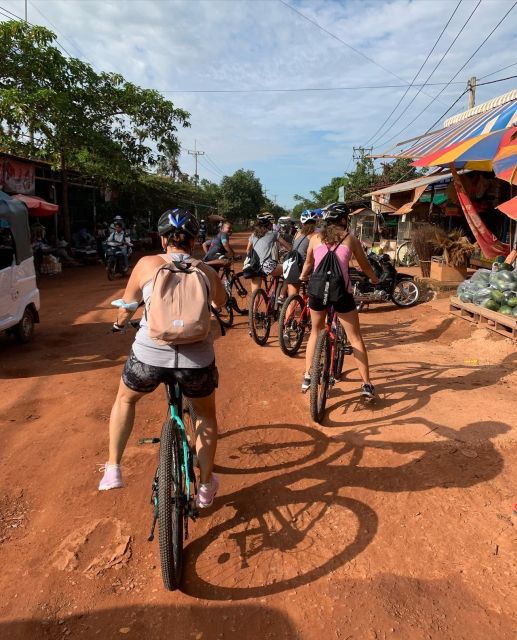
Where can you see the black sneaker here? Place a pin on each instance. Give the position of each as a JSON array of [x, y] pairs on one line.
[[368, 392], [306, 384]]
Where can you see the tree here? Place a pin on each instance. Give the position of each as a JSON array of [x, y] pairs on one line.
[[242, 196], [60, 109], [398, 171]]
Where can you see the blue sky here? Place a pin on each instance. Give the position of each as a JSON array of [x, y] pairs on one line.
[[295, 141]]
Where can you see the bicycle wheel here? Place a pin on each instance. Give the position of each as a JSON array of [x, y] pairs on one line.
[[240, 296], [170, 506], [111, 268], [259, 319], [339, 354], [225, 314], [320, 376], [291, 325]]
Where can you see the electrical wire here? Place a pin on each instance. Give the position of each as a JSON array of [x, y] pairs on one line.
[[333, 35], [63, 35], [428, 78], [207, 167], [13, 15], [351, 88], [498, 71], [453, 77], [386, 120], [207, 157]]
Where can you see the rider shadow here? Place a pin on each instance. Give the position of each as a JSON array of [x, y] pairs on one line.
[[292, 529], [156, 622], [406, 387]]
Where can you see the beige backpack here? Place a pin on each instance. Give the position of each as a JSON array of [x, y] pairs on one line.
[[178, 309]]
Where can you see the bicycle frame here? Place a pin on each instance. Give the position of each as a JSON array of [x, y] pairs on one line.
[[271, 289]]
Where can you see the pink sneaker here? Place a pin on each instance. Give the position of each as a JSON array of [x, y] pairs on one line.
[[207, 493], [112, 478]]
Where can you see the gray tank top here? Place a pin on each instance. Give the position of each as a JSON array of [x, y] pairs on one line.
[[184, 356]]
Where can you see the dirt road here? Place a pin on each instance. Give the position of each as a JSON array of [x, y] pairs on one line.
[[392, 521]]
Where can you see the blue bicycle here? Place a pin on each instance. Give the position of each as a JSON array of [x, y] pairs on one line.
[[174, 487]]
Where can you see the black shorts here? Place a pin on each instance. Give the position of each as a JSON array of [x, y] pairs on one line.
[[345, 304], [194, 383]]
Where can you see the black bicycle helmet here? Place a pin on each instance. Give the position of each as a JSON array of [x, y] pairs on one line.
[[335, 211], [178, 220]]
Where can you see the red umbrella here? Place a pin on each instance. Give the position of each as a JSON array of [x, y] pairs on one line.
[[37, 206], [509, 208], [505, 160]]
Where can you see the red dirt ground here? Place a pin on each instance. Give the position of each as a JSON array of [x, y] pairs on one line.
[[391, 521]]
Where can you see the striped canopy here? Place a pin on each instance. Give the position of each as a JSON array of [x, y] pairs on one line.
[[474, 127], [505, 161]]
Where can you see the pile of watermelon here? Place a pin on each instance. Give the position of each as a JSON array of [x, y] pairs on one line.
[[495, 290]]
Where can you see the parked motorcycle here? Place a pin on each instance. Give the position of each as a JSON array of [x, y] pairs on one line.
[[393, 286], [115, 262]]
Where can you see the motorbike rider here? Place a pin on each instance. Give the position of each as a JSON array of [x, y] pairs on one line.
[[119, 238]]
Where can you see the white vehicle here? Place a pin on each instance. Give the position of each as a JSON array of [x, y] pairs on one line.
[[19, 295]]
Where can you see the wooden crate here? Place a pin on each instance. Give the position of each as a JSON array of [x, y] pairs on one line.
[[504, 325]]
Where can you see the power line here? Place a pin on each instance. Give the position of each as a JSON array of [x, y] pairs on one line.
[[208, 168], [498, 71], [427, 79], [455, 75], [417, 74], [13, 15], [214, 165], [333, 35], [350, 88], [62, 34]]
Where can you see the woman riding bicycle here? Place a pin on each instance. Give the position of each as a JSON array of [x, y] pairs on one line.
[[191, 365], [334, 236], [301, 241], [264, 241]]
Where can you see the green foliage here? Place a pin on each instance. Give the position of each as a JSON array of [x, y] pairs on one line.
[[62, 110], [241, 196], [357, 182]]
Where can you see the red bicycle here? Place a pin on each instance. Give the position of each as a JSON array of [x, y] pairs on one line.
[[263, 309], [327, 364], [294, 321]]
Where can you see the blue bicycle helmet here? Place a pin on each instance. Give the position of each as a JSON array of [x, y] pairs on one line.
[[178, 220]]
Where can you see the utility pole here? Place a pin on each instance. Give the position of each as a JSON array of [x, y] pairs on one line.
[[360, 152], [25, 10], [196, 153], [471, 88]]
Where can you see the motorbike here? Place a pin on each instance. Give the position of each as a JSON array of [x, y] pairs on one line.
[[115, 262], [399, 288]]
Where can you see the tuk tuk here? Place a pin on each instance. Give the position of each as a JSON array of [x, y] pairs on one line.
[[19, 295]]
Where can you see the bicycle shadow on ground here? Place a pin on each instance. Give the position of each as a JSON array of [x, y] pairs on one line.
[[280, 535], [156, 623], [406, 387]]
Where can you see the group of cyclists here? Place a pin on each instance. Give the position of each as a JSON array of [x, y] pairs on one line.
[[192, 365]]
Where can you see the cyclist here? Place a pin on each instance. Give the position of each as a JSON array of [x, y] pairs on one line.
[[218, 251], [335, 236], [265, 242], [299, 251], [192, 365]]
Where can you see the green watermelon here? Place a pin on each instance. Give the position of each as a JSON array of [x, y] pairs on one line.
[[514, 312], [497, 296], [511, 301], [508, 311], [504, 266], [491, 304]]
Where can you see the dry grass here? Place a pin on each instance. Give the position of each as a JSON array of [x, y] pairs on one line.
[[455, 246]]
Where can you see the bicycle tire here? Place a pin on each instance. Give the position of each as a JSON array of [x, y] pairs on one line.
[[225, 314], [339, 356], [240, 302], [288, 349], [259, 319], [170, 507], [320, 376], [111, 269]]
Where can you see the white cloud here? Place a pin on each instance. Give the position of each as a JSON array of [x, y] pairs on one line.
[[294, 141]]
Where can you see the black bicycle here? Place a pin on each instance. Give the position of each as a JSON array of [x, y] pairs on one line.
[[237, 291]]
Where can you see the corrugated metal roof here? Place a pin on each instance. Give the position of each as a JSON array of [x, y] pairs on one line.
[[412, 184], [482, 108]]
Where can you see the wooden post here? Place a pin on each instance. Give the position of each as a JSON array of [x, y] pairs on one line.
[[471, 85]]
